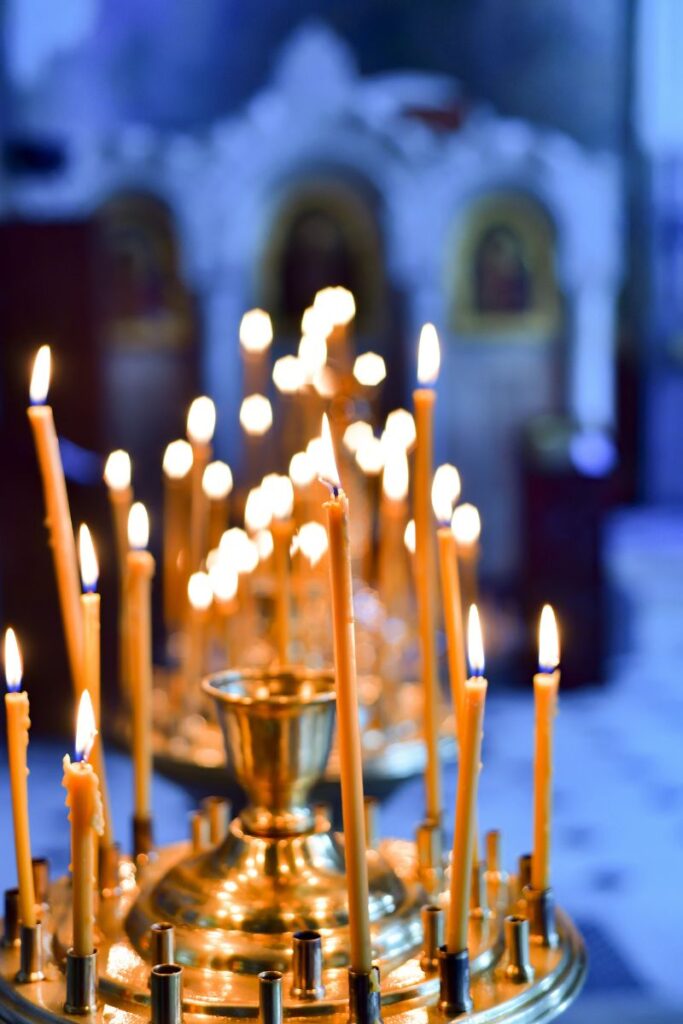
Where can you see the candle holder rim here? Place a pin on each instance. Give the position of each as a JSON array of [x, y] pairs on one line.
[[239, 686]]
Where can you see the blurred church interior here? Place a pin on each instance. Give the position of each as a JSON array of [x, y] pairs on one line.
[[511, 171]]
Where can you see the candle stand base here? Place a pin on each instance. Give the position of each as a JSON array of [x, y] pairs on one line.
[[81, 983], [30, 954], [454, 983], [539, 907], [365, 997]]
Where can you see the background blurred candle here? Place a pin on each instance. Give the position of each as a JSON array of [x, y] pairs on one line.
[[199, 598], [201, 423], [117, 476], [140, 573], [350, 760], [466, 796], [18, 724], [256, 419], [217, 486], [85, 815], [445, 493], [58, 517], [546, 685], [176, 466], [91, 675], [466, 526], [282, 529], [256, 337], [393, 575], [428, 362]]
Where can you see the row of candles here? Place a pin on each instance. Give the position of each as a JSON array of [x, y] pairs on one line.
[[85, 777]]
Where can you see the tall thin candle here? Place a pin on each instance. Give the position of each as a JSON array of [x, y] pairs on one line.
[[177, 464], [201, 423], [18, 724], [140, 572], [350, 761], [546, 685]]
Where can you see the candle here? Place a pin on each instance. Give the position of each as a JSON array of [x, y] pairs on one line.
[[302, 473], [199, 596], [18, 724], [466, 797], [256, 419], [546, 685], [393, 575], [350, 761], [117, 476], [57, 515], [177, 464], [224, 583], [282, 529], [217, 485], [370, 460], [90, 676], [139, 582], [369, 369], [85, 815], [424, 397], [201, 423], [445, 493], [256, 337], [466, 526]]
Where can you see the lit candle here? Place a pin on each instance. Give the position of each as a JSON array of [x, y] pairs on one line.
[[140, 573], [199, 596], [350, 761], [393, 570], [256, 419], [176, 466], [282, 529], [546, 685], [445, 493], [428, 362], [57, 515], [302, 473], [466, 526], [117, 476], [224, 583], [201, 423], [85, 815], [466, 797], [217, 486], [18, 724], [256, 337], [370, 460], [369, 369], [90, 677]]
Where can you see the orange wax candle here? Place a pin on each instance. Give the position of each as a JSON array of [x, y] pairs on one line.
[[424, 398], [201, 423], [18, 724], [176, 466], [350, 760], [256, 336], [282, 531], [546, 685], [466, 526], [200, 597], [85, 815], [217, 485], [140, 572], [466, 797], [117, 476], [452, 611], [90, 676], [392, 571], [58, 517]]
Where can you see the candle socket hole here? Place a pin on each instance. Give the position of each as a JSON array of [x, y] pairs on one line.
[[81, 983], [30, 954]]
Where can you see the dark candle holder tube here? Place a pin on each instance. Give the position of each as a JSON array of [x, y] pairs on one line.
[[270, 997], [524, 872], [540, 909], [307, 966], [433, 937], [454, 976], [365, 997], [517, 964], [162, 943], [166, 983], [11, 917], [81, 983], [199, 831], [217, 810], [108, 858], [143, 841], [40, 867], [30, 954]]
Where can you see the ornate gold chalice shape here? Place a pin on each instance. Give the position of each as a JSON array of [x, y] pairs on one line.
[[281, 868]]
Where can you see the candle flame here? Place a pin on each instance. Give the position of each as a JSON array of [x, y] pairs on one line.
[[40, 377], [316, 320], [466, 524], [337, 304], [312, 354], [445, 491], [370, 456], [369, 369], [311, 541], [355, 434], [117, 470], [90, 570], [289, 374], [217, 481], [475, 642], [199, 591], [548, 641], [256, 415], [257, 510], [324, 381], [264, 544], [237, 548], [301, 469], [327, 468], [138, 526], [282, 497], [201, 420], [224, 580], [395, 478], [428, 355], [178, 459], [14, 668], [86, 729], [409, 537], [400, 427], [256, 331]]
